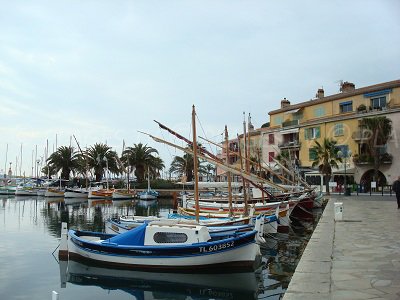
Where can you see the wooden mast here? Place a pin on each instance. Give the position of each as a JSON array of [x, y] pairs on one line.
[[195, 167], [246, 186], [228, 174]]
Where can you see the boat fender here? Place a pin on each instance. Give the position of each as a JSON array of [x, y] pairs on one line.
[[252, 210], [63, 251], [260, 229]]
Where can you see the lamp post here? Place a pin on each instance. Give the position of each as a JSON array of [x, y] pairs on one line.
[[345, 155]]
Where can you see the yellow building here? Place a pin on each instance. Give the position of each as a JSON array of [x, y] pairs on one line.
[[338, 117]]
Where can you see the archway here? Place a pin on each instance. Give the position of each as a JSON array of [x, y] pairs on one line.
[[368, 177]]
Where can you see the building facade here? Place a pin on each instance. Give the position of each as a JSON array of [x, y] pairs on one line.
[[340, 117]]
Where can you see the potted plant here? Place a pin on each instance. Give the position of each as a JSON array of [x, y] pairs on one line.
[[361, 108]]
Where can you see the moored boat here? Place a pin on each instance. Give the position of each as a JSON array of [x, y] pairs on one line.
[[76, 193], [100, 194], [123, 194], [160, 246], [54, 192]]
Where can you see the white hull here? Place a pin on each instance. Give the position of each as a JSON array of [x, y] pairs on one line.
[[25, 192], [245, 254], [7, 190], [80, 193], [122, 195], [40, 192], [147, 197]]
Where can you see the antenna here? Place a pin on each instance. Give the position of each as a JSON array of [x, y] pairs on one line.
[[340, 82]]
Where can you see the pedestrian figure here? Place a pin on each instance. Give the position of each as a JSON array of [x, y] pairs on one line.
[[396, 189]]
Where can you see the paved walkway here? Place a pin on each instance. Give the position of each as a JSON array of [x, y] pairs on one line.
[[356, 258]]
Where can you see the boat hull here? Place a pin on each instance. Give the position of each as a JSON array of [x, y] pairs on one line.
[[78, 193], [123, 195], [232, 253], [54, 193], [100, 194]]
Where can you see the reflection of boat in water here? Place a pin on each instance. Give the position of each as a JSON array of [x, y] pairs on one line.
[[75, 201], [144, 285], [145, 203], [95, 202], [54, 200]]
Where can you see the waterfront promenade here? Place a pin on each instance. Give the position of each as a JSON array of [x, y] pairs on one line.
[[356, 258]]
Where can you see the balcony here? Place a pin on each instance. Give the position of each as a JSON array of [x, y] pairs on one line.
[[289, 145], [290, 123], [361, 135], [365, 159]]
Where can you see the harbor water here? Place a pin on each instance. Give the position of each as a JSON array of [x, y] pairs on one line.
[[29, 268]]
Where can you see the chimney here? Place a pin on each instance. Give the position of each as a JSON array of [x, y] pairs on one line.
[[284, 103], [320, 93], [347, 87]]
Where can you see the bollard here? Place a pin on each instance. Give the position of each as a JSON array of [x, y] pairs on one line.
[[54, 295], [338, 211]]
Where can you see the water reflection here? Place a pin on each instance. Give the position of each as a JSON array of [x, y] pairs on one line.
[[158, 285], [281, 254]]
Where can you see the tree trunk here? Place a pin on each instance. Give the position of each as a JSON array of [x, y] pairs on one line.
[[327, 178]]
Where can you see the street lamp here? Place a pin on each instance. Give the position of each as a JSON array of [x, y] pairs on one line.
[[345, 154]]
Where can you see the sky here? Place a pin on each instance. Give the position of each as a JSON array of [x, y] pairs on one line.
[[103, 70]]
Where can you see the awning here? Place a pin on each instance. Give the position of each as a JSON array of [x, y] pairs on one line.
[[293, 111], [287, 131], [346, 103], [378, 93]]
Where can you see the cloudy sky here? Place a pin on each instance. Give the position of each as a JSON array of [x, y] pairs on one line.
[[102, 70]]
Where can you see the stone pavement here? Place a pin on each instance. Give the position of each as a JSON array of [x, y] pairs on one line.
[[356, 258]]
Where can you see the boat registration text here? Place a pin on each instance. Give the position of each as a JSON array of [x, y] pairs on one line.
[[217, 247]]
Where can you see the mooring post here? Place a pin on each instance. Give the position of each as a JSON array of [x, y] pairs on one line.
[[54, 295]]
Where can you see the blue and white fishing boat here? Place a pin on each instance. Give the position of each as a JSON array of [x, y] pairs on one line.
[[162, 246]]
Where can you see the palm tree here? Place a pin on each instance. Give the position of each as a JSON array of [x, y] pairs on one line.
[[140, 157], [49, 170], [156, 165], [64, 159], [210, 170], [184, 166], [326, 157], [99, 157], [380, 130]]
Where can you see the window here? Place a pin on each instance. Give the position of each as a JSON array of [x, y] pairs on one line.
[[170, 237], [312, 154], [271, 156], [319, 112], [271, 138], [312, 133], [339, 129], [378, 102], [346, 106], [297, 116], [278, 120]]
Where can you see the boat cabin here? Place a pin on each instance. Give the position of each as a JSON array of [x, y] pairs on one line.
[[163, 233]]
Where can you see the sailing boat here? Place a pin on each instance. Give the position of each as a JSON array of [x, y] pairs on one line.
[[149, 194]]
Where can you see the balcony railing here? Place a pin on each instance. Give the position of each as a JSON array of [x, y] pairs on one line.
[[364, 159], [290, 144], [290, 123], [361, 135]]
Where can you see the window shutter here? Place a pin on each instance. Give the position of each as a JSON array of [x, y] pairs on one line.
[[317, 132]]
